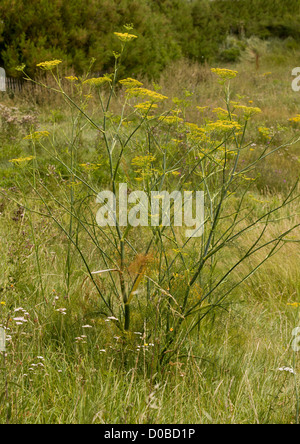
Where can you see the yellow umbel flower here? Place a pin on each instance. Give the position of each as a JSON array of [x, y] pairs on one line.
[[221, 113], [224, 74], [248, 111], [98, 81], [72, 78], [22, 160], [145, 106], [130, 83], [143, 161], [202, 108], [90, 166], [143, 92], [37, 135], [144, 165], [125, 37], [171, 120], [295, 119], [48, 66], [223, 126]]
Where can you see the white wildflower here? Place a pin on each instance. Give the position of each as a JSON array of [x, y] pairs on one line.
[[287, 369], [61, 310], [20, 319]]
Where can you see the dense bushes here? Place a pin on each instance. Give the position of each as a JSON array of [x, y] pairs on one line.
[[32, 31], [77, 30]]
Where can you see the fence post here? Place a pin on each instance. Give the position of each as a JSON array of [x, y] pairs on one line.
[[2, 79], [2, 340]]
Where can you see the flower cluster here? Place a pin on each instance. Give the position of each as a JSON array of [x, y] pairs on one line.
[[98, 81], [144, 164], [37, 135], [81, 339], [202, 108], [62, 311], [248, 111], [171, 120], [13, 116], [125, 37], [223, 126], [48, 66], [130, 83], [145, 107], [265, 133], [90, 166], [195, 133], [143, 161], [287, 369], [224, 74], [295, 119], [221, 113], [36, 365], [22, 160], [144, 92], [72, 78], [20, 320]]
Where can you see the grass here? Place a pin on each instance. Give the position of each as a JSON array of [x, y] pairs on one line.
[[55, 369]]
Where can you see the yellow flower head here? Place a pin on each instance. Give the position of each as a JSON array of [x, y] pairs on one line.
[[144, 107], [21, 160], [96, 82], [224, 74], [20, 67], [37, 135], [48, 66], [265, 133], [202, 108], [72, 78], [171, 120], [248, 110], [125, 37], [195, 133], [223, 126], [90, 166], [143, 92], [130, 83], [295, 119], [143, 161], [221, 113]]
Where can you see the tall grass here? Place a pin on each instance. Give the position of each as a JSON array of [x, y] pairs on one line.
[[153, 310]]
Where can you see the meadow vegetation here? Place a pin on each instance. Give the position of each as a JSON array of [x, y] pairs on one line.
[[169, 329]]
